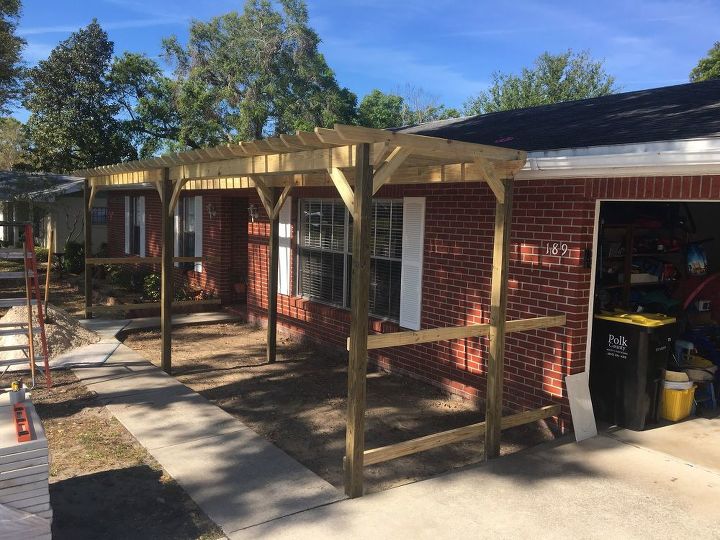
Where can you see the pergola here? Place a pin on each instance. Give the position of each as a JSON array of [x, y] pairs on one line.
[[358, 162]]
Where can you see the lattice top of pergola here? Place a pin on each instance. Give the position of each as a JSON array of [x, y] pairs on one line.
[[309, 159]]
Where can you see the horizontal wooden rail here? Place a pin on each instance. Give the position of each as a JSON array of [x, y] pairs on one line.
[[145, 260], [398, 339], [153, 305], [421, 444]]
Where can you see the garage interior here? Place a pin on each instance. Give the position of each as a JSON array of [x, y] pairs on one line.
[[655, 345]]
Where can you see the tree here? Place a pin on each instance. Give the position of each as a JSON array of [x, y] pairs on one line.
[[552, 79], [73, 106], [146, 97], [708, 67], [249, 75], [420, 107], [415, 106], [380, 110], [10, 52], [11, 143]]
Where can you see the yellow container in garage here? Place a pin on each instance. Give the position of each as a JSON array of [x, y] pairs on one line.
[[676, 404]]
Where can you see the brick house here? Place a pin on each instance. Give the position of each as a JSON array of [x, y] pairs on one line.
[[660, 145]]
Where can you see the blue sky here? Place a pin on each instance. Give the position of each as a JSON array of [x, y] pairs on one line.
[[449, 48]]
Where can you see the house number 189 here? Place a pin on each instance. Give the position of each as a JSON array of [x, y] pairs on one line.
[[556, 248]]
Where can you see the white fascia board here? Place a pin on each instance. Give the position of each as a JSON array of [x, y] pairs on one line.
[[665, 158]]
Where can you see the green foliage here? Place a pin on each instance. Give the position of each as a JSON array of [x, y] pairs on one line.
[[709, 66], [380, 110], [252, 74], [127, 278], [73, 108], [74, 258], [11, 143], [151, 287], [10, 53], [147, 98], [553, 79], [41, 254]]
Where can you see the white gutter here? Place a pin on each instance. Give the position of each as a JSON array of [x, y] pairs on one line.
[[667, 158]]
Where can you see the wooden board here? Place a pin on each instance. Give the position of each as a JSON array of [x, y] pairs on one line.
[[421, 444], [398, 339], [357, 358], [498, 317]]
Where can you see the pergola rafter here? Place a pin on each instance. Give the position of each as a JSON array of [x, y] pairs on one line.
[[357, 161]]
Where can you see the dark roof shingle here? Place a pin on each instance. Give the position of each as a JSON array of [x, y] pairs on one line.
[[683, 111]]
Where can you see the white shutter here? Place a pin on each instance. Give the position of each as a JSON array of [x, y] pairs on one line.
[[413, 241], [141, 216], [284, 248], [198, 232], [127, 225], [176, 234]]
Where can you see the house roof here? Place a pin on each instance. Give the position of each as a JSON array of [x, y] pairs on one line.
[[27, 185], [684, 111]]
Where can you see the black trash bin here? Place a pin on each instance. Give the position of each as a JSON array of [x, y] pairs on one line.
[[628, 355]]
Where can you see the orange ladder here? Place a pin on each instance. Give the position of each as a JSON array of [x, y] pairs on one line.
[[32, 298]]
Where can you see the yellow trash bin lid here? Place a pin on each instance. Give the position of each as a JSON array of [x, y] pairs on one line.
[[638, 319]]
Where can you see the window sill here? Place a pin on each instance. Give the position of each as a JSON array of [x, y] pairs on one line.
[[376, 324]]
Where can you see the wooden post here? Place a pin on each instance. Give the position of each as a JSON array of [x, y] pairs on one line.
[[274, 255], [87, 224], [166, 285], [360, 292], [49, 266], [498, 309]]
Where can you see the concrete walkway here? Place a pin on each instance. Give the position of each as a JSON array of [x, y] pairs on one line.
[[601, 488], [236, 476]]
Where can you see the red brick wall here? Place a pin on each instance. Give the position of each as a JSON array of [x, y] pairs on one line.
[[456, 280], [224, 224]]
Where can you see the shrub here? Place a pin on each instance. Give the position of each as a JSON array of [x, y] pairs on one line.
[[151, 287], [74, 260], [41, 254], [127, 278]]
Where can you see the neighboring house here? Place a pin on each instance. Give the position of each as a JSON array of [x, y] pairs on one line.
[[48, 201], [660, 144]]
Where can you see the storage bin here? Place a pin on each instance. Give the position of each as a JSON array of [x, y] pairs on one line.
[[676, 404]]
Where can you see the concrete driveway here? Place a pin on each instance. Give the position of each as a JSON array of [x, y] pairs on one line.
[[601, 488]]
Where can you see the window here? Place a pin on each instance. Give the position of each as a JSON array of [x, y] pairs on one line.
[[188, 231], [99, 216], [325, 259], [135, 226]]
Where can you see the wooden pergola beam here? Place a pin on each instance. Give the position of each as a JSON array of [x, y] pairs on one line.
[[87, 229], [498, 316], [166, 273], [359, 309]]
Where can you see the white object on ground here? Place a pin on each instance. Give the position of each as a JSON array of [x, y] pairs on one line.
[[581, 409]]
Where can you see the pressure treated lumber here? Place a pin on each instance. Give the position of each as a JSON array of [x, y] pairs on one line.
[[153, 305], [343, 187], [87, 229], [421, 444], [166, 273], [359, 306], [388, 166], [399, 339], [273, 264], [498, 316], [144, 260]]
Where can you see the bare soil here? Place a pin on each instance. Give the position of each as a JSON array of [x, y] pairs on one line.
[[103, 484], [299, 402]]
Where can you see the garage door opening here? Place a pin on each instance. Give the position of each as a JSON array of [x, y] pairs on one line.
[[655, 346]]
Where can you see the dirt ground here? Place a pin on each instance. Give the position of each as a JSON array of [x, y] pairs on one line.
[[299, 402], [103, 484]]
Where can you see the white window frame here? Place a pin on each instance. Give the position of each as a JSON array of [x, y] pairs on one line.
[[346, 253], [197, 201]]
